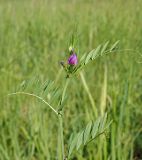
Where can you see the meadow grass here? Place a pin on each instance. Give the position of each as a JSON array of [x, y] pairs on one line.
[[34, 37]]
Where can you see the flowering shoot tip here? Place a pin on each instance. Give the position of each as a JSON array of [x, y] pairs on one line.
[[73, 60]]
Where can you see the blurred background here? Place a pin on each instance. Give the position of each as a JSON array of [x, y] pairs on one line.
[[34, 37]]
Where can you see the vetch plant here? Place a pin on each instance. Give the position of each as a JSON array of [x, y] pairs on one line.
[[71, 66]]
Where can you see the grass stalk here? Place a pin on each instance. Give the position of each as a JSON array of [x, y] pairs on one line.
[[89, 93]]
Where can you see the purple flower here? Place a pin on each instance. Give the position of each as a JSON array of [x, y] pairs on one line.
[[73, 59]]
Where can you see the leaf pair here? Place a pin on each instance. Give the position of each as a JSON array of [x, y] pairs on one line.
[[46, 89], [89, 133], [101, 50]]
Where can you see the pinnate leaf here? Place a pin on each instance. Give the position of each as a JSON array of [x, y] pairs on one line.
[[104, 47], [80, 140], [114, 46], [95, 128], [87, 132]]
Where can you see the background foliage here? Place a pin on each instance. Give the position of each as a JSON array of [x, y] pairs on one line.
[[34, 36]]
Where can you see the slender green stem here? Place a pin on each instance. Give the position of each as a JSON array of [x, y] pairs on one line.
[[64, 91], [33, 95], [89, 93], [61, 136], [95, 137], [60, 115]]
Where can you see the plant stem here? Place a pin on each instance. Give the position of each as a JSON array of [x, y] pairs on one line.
[[36, 96], [64, 91], [60, 115], [61, 136]]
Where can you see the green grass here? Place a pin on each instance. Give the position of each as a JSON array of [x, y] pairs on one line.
[[34, 37]]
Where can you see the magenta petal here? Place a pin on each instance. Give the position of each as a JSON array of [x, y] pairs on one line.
[[73, 59]]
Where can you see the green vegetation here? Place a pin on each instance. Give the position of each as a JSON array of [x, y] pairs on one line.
[[34, 38]]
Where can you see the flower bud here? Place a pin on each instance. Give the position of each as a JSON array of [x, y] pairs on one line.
[[71, 49], [72, 60]]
